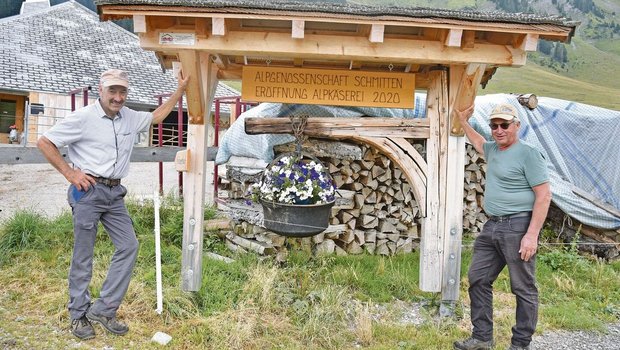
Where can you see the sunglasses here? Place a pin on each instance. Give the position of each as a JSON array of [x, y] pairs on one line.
[[504, 126]]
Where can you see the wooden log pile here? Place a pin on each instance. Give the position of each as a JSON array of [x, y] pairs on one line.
[[602, 243], [473, 191], [382, 216], [375, 210]]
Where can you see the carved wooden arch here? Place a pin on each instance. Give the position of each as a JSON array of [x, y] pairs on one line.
[[403, 154]]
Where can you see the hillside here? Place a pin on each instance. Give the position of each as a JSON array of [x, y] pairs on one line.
[[587, 67]]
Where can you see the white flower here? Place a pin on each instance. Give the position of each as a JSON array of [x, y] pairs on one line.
[[292, 181]]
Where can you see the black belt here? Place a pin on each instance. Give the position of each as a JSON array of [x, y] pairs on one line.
[[511, 216], [107, 182]]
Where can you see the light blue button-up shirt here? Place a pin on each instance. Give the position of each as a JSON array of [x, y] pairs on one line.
[[98, 145]]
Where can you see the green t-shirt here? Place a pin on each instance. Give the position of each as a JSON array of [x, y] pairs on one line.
[[510, 176]]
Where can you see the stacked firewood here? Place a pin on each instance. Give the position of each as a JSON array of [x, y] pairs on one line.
[[473, 191], [375, 210], [382, 216]]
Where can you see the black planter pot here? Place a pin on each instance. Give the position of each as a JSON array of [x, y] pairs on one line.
[[296, 220]]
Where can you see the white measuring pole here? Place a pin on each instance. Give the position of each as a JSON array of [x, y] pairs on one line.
[[160, 296]]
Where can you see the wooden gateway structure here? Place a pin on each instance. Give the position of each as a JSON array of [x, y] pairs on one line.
[[336, 53]]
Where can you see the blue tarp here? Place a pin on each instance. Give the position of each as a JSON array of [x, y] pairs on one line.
[[579, 140]]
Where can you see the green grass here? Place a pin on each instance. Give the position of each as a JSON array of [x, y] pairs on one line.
[[534, 79], [310, 302], [609, 45]]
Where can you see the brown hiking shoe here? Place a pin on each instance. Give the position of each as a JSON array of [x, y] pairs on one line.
[[109, 323], [82, 328], [472, 343]]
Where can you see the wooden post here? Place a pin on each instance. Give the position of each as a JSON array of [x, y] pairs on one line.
[[200, 94], [461, 94], [464, 82], [431, 244]]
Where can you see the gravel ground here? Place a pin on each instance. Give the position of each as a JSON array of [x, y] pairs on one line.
[[579, 340]]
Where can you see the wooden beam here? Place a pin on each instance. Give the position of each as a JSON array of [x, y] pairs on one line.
[[527, 42], [159, 22], [201, 27], [453, 38], [298, 29], [322, 47], [453, 227], [464, 82], [355, 65], [596, 201], [139, 24], [343, 127], [468, 40], [194, 93], [431, 243], [376, 33], [220, 62], [205, 76], [453, 209], [218, 26], [417, 157]]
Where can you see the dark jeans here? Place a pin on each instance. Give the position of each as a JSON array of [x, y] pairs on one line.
[[498, 246]]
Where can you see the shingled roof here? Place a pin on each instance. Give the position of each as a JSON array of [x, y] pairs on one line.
[[66, 47], [352, 9]]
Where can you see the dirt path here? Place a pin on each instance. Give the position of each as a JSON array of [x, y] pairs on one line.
[[40, 187]]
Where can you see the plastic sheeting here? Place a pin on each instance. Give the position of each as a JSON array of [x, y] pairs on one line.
[[580, 142]]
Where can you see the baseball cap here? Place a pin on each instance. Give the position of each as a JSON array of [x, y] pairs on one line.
[[113, 77], [504, 111]]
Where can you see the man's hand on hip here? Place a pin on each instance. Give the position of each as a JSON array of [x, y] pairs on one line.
[[80, 180]]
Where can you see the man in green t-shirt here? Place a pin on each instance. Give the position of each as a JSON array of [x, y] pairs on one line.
[[516, 199]]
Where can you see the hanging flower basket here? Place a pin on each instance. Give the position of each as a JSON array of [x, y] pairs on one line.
[[297, 193]]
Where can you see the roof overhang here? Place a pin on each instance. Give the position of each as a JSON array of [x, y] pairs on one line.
[[305, 35]]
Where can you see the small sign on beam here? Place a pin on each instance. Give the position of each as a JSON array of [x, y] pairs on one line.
[[328, 87], [182, 39], [181, 161]]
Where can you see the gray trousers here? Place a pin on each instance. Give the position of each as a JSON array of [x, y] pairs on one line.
[[105, 204], [498, 246]]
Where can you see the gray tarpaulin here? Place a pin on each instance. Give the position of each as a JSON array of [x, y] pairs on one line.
[[580, 141]]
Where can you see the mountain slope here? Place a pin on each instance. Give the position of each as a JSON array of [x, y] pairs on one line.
[[534, 79], [591, 73]]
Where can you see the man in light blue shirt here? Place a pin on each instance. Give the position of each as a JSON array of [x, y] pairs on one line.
[[516, 198], [100, 138]]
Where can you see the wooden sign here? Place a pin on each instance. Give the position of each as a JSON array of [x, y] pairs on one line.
[[328, 87], [181, 161]]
